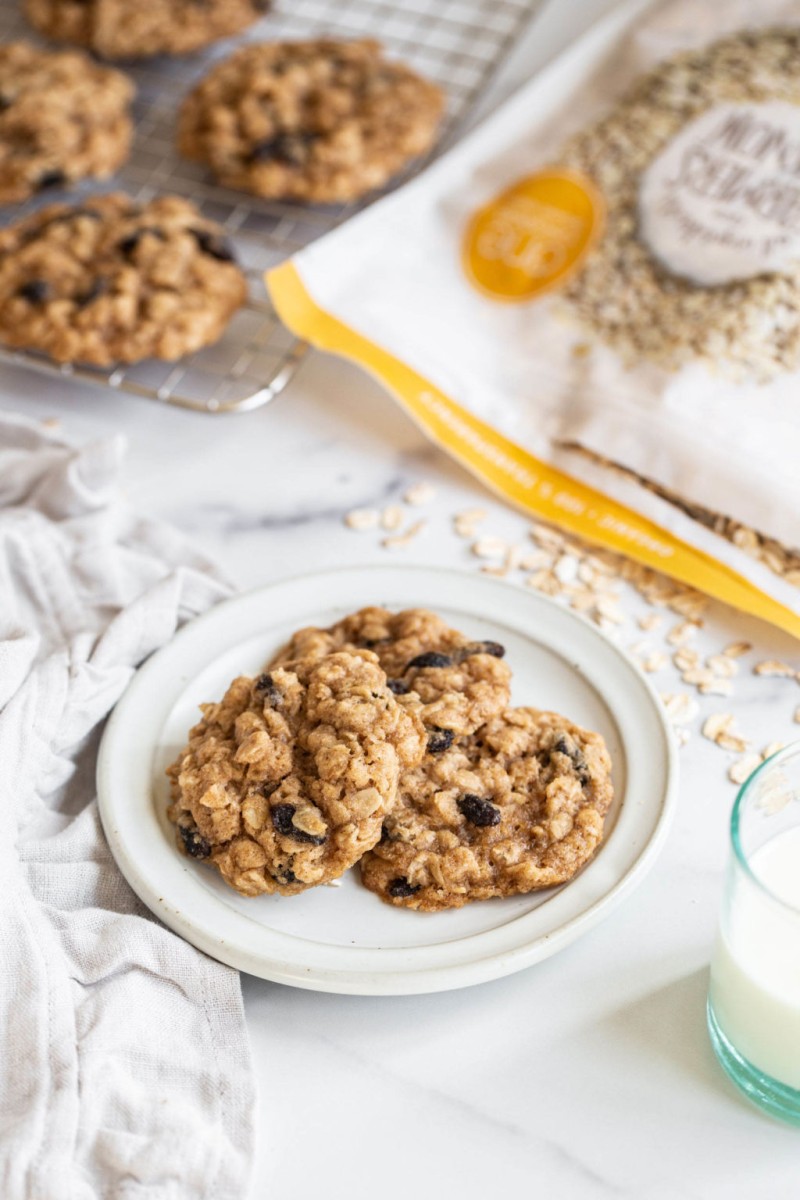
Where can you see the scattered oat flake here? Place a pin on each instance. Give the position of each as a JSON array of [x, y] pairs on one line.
[[772, 667], [686, 658], [544, 581], [680, 707], [392, 518], [582, 601], [650, 621], [716, 724], [716, 687], [771, 749], [699, 676], [547, 538], [489, 547], [797, 715], [610, 610], [733, 742], [682, 736], [362, 518], [722, 665], [743, 768], [420, 493], [654, 662], [737, 649], [401, 540], [566, 569], [464, 523], [532, 562], [514, 557], [682, 633]]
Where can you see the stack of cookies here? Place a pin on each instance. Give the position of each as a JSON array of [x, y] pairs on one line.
[[387, 740], [115, 281]]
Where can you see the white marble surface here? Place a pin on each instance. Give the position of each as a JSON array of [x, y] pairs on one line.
[[587, 1076]]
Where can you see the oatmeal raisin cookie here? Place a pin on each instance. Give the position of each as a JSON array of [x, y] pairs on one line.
[[515, 807], [454, 683], [120, 29], [285, 782], [111, 281], [62, 118], [321, 121]]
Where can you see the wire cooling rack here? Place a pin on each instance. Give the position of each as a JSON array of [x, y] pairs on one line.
[[457, 43]]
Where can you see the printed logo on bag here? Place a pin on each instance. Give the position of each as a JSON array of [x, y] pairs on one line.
[[722, 201], [533, 236]]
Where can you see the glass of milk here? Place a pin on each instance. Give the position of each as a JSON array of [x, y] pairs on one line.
[[754, 997]]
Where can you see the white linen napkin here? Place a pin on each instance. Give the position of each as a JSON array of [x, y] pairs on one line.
[[124, 1061]]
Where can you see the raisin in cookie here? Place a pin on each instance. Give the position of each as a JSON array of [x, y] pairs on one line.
[[122, 29], [62, 118], [285, 783], [321, 121], [454, 684], [516, 807], [112, 281]]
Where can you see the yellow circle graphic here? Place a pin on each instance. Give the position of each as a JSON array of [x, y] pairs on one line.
[[534, 235]]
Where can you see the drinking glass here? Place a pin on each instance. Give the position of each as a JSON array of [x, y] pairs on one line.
[[754, 996]]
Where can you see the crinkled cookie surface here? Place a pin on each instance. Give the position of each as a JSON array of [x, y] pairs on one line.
[[519, 805], [453, 683], [286, 781], [320, 121], [112, 281]]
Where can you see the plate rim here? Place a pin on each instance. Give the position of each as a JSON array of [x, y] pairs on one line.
[[477, 968]]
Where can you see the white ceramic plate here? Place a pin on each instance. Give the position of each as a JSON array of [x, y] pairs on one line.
[[343, 939]]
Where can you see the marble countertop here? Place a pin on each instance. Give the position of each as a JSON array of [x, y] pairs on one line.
[[587, 1076]]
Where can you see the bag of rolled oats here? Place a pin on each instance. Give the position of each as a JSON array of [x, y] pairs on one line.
[[593, 301]]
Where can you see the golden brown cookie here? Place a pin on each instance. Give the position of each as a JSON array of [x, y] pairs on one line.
[[515, 807], [285, 782], [321, 121], [111, 281], [453, 683], [62, 118], [121, 29]]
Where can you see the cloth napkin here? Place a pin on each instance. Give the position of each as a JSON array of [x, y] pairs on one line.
[[124, 1062]]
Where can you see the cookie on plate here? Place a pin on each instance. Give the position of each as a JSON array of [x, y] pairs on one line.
[[62, 118], [121, 29], [453, 683], [321, 121], [285, 782], [515, 807], [111, 281]]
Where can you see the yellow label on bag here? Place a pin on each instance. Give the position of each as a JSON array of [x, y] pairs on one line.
[[515, 474], [533, 236]]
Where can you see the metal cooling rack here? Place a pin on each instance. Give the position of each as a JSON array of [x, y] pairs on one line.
[[457, 43]]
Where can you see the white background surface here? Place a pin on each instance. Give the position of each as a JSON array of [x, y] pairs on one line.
[[587, 1076]]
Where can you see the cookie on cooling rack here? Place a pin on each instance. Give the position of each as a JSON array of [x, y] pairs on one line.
[[515, 807], [453, 683], [285, 782], [111, 281], [320, 121], [121, 29], [62, 118]]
